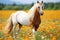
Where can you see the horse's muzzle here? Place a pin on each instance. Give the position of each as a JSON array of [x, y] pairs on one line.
[[42, 13]]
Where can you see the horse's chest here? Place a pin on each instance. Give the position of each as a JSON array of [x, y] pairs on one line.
[[36, 19]]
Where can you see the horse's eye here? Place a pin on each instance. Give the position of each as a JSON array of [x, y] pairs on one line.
[[39, 7]]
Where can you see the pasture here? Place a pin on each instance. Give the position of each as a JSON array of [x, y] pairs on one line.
[[49, 28]]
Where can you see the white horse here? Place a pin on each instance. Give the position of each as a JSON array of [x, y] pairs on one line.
[[23, 18]]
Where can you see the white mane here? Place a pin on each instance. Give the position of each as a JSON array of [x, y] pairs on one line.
[[32, 10]]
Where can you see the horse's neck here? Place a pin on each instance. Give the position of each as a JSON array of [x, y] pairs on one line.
[[32, 11]]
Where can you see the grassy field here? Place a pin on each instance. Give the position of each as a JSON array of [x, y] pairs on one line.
[[49, 28]]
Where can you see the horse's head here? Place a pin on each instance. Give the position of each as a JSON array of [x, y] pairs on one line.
[[40, 7]]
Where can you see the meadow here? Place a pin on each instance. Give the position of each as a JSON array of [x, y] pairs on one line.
[[49, 28]]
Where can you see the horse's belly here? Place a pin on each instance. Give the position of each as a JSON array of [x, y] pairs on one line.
[[23, 19]]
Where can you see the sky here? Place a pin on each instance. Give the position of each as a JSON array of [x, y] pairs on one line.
[[25, 1]]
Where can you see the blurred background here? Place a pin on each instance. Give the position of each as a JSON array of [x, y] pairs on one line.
[[27, 4]]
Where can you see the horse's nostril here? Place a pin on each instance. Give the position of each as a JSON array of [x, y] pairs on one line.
[[41, 13]]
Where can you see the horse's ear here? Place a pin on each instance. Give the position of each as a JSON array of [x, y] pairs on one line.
[[42, 1], [37, 1]]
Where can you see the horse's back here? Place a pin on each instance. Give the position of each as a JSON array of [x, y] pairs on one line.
[[14, 16], [21, 17]]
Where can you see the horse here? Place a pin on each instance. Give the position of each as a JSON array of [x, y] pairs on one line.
[[32, 17]]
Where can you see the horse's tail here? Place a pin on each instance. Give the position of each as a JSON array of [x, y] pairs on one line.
[[9, 25]]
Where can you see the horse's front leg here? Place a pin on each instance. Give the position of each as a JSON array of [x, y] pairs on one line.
[[33, 31], [34, 28]]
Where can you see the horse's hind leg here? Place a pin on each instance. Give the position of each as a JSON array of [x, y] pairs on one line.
[[14, 31]]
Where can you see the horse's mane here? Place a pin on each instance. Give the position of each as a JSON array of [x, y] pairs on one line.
[[36, 16], [33, 8], [36, 19]]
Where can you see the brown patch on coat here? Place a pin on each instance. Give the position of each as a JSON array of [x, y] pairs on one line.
[[36, 20]]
